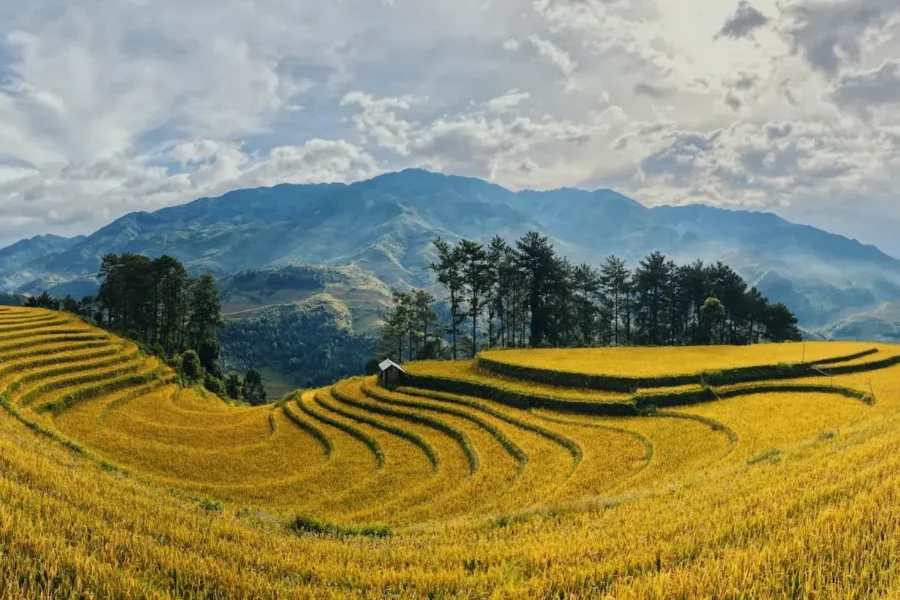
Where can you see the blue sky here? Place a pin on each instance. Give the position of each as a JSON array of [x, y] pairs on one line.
[[111, 106]]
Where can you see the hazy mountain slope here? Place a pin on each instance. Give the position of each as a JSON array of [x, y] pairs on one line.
[[881, 323], [357, 296], [384, 226], [16, 260]]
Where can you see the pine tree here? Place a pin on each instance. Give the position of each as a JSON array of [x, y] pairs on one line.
[[234, 386], [613, 281], [206, 311], [651, 282], [476, 280], [587, 285], [448, 271], [426, 318], [253, 390], [536, 260]]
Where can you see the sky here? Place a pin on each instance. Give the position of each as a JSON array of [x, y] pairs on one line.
[[791, 106]]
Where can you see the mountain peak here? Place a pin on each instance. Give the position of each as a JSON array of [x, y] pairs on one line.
[[385, 226]]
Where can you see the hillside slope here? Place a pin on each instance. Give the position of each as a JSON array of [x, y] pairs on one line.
[[16, 261], [117, 482], [384, 226]]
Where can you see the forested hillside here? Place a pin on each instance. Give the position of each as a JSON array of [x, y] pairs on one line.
[[306, 347], [394, 217], [526, 295], [282, 250]]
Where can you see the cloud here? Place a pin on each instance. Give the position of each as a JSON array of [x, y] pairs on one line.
[[378, 120], [108, 106], [677, 161], [777, 132], [507, 101], [744, 81], [865, 90], [733, 102], [559, 57], [743, 22], [44, 201], [651, 91], [829, 34]]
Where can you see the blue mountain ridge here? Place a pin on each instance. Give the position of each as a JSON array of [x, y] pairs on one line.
[[384, 226]]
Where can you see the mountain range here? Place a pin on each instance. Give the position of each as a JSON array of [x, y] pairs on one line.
[[376, 235]]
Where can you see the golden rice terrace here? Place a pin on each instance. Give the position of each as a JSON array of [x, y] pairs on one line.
[[766, 471]]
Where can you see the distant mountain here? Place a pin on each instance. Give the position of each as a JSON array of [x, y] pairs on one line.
[[383, 227], [16, 260], [7, 299], [358, 299], [302, 325], [880, 324]]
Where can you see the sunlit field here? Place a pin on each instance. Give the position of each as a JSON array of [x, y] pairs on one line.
[[663, 361], [463, 481]]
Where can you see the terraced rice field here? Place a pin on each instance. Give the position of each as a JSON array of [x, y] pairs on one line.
[[662, 362], [462, 482]]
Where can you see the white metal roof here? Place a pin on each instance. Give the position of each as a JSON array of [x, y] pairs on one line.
[[387, 364]]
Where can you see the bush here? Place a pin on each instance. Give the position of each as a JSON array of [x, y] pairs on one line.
[[154, 349], [191, 368], [214, 385], [254, 392], [208, 353], [372, 366], [234, 386], [306, 525]]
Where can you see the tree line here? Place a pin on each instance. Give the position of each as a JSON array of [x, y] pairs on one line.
[[171, 314], [526, 295]]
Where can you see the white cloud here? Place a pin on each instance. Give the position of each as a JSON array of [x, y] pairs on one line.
[[110, 106], [745, 20], [55, 199], [559, 57], [830, 33], [509, 100], [867, 90], [378, 120]]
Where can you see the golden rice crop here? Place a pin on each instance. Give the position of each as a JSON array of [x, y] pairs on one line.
[[662, 362], [544, 463], [774, 494], [766, 423], [468, 372]]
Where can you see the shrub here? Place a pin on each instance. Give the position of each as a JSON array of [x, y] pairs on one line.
[[154, 349], [234, 386], [214, 385], [209, 356], [372, 366], [210, 505], [307, 525], [254, 392], [772, 456], [191, 368]]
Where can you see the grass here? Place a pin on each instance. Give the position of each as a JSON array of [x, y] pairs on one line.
[[130, 486]]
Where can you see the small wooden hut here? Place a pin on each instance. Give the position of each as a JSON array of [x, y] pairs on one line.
[[391, 372]]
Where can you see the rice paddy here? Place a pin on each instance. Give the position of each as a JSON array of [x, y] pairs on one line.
[[663, 362], [464, 481]]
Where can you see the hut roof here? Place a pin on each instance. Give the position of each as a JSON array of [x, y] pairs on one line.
[[387, 364]]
